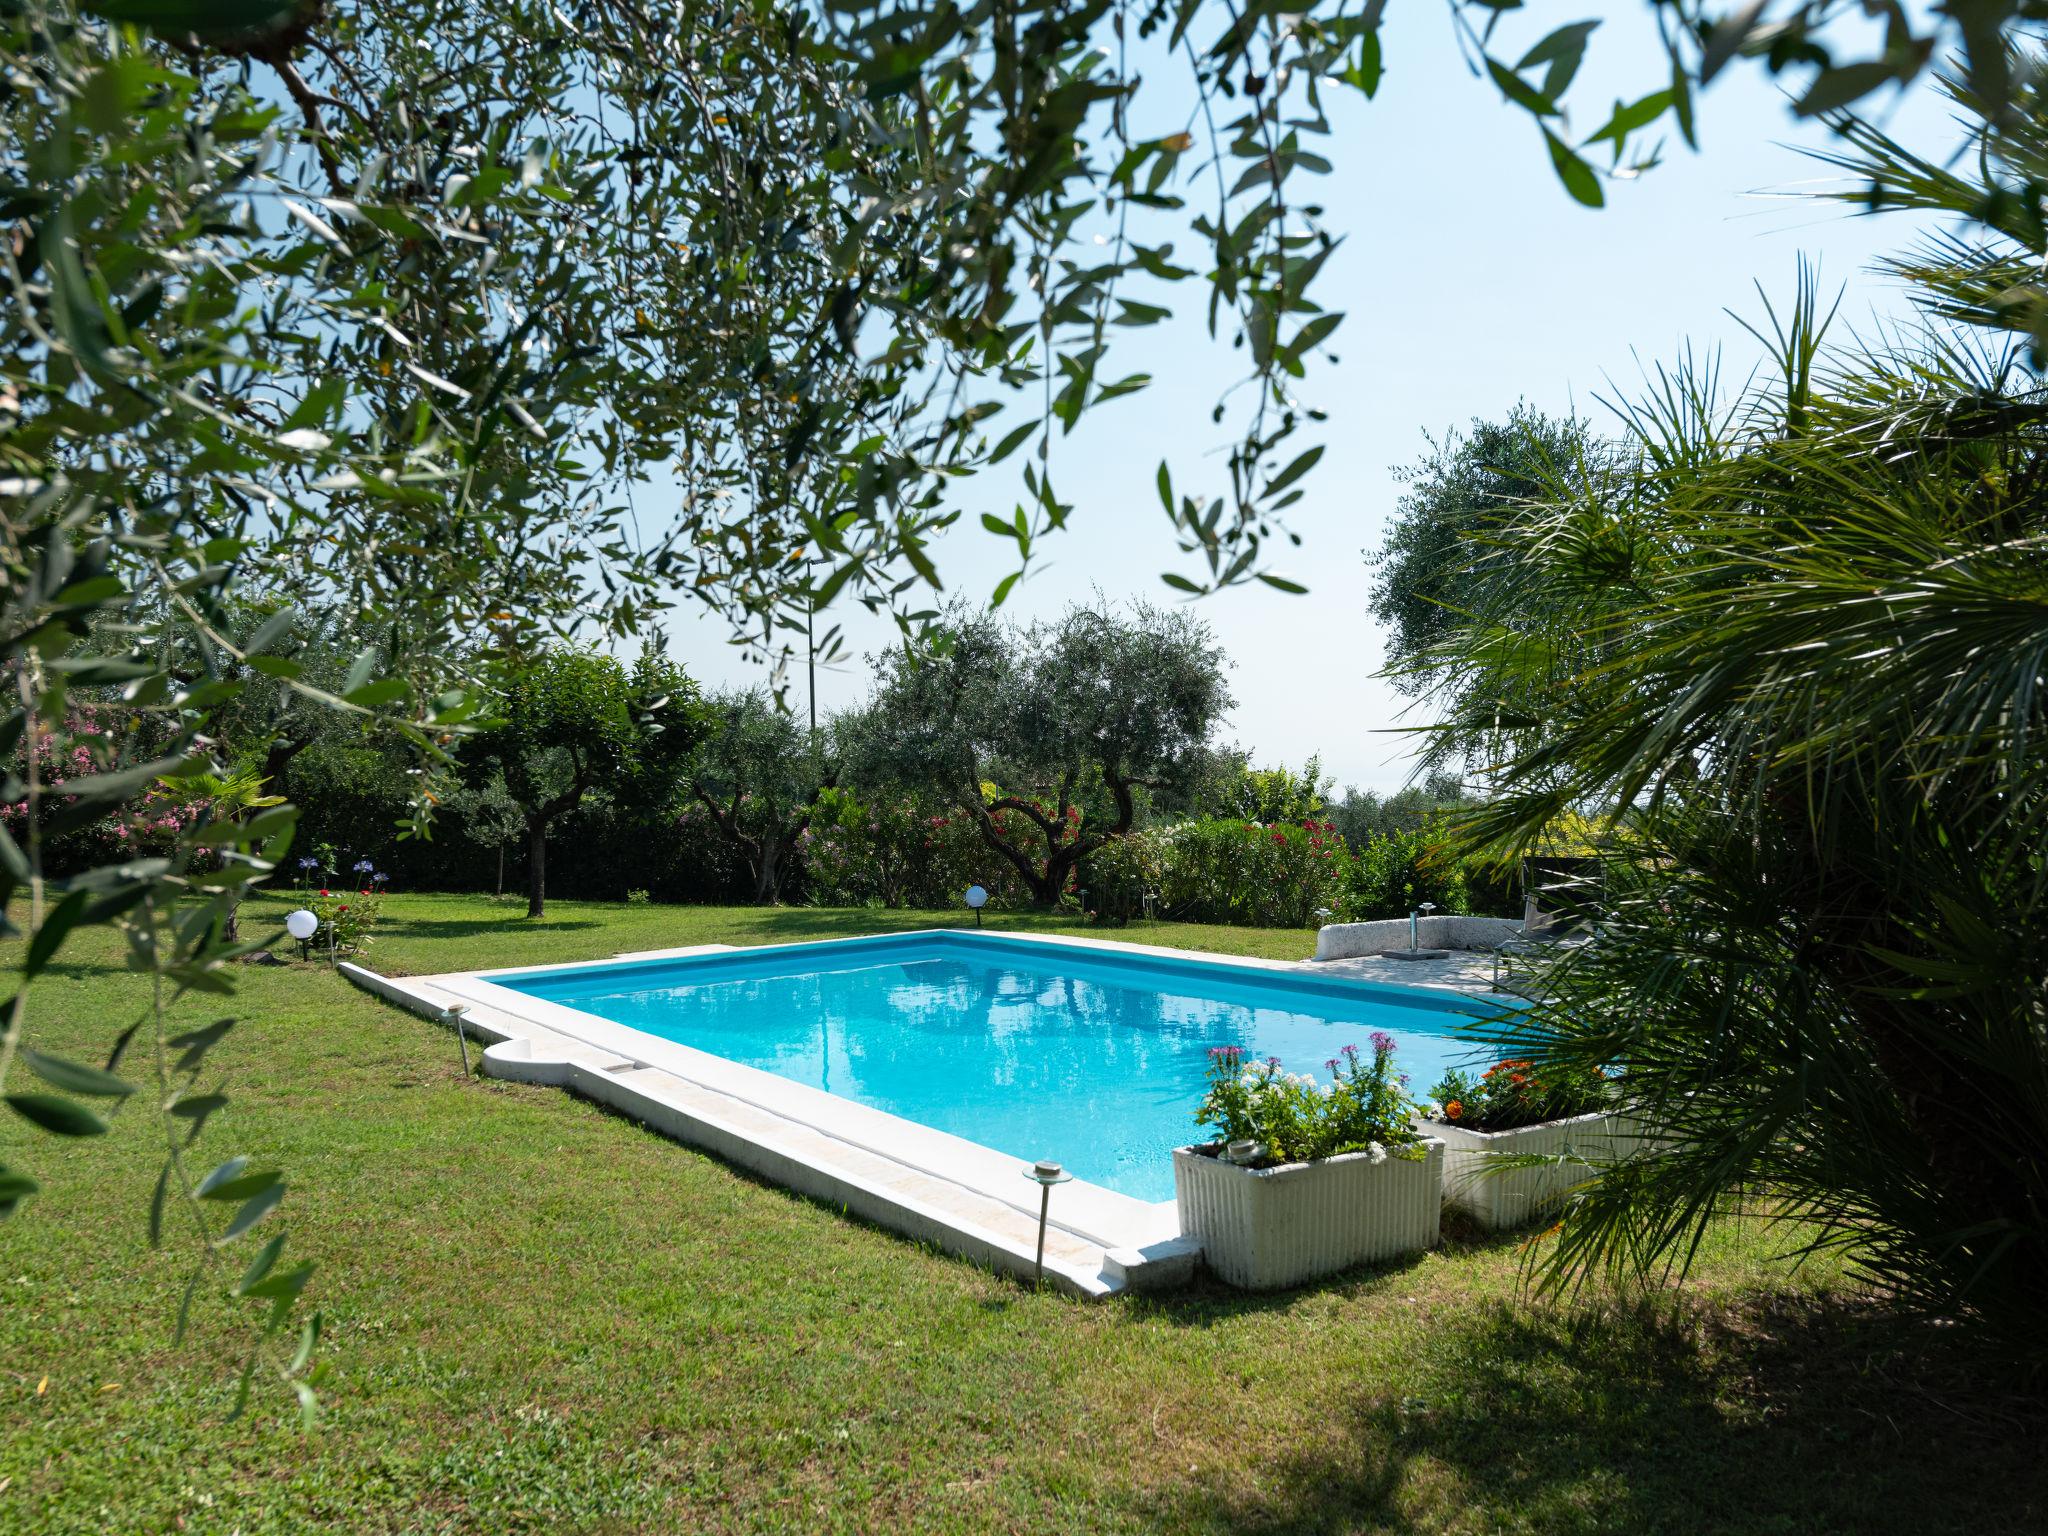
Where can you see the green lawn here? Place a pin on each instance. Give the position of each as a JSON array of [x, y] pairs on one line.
[[544, 1318]]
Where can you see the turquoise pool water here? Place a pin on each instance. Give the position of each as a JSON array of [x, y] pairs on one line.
[[1095, 1058]]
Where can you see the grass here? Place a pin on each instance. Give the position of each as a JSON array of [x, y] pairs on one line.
[[542, 1318]]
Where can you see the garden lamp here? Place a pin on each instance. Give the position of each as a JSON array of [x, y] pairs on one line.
[[976, 898], [301, 925], [455, 1013], [1045, 1173]]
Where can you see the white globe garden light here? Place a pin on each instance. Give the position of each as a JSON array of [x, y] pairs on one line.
[[301, 925], [977, 898]]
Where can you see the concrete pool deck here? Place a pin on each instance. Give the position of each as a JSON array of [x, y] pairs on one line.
[[956, 1194]]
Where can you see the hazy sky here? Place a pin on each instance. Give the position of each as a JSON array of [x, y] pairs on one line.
[[1470, 280]]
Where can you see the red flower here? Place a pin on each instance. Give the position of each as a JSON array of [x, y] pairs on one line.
[[323, 893], [339, 910], [1279, 836]]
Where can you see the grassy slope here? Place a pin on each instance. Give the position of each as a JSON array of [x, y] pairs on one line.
[[545, 1318]]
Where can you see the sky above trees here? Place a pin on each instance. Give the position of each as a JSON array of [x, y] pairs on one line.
[[1470, 281]]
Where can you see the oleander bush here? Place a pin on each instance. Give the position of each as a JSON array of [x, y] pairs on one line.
[[898, 851], [1219, 871]]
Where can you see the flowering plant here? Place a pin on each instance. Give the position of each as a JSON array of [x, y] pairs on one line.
[[1512, 1094], [1276, 876], [1294, 1117], [896, 852], [345, 920]]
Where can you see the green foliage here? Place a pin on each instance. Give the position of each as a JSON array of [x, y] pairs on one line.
[[1809, 632], [1292, 1117], [1266, 794], [758, 775], [1394, 873], [1511, 1094], [1033, 132], [569, 722], [1047, 736], [1443, 560], [1426, 574], [895, 851], [1243, 872], [347, 920], [1120, 878]]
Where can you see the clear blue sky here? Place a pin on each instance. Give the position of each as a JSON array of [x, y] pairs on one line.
[[1470, 281]]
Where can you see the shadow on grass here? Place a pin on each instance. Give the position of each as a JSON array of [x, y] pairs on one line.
[[1790, 1413], [511, 922]]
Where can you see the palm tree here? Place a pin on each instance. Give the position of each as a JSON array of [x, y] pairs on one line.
[[224, 798], [1795, 656]]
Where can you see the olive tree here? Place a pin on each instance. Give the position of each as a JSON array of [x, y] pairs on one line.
[[759, 773], [569, 722], [1047, 735]]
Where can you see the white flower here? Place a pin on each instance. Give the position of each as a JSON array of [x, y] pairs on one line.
[[1377, 1152]]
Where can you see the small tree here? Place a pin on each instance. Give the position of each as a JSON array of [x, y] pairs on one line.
[[572, 721], [760, 774], [490, 816], [1048, 736]]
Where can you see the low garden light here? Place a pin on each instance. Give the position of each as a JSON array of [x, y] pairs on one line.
[[457, 1023], [1045, 1173], [301, 925], [977, 898]]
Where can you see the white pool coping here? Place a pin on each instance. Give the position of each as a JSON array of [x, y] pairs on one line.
[[934, 1185]]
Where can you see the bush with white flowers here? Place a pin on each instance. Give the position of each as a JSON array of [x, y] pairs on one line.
[[1295, 1117]]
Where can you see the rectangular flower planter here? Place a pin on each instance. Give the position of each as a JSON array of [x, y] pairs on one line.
[[1268, 1228], [1507, 1197]]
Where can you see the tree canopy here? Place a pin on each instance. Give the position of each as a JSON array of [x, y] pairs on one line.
[[1428, 572], [759, 774], [1046, 735], [567, 722]]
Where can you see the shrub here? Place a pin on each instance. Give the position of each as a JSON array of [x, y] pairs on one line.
[[897, 852], [1512, 1094], [1117, 876], [1396, 871], [1294, 1118], [345, 920], [1249, 873]]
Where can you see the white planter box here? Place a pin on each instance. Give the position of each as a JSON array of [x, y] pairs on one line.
[[1267, 1228], [1507, 1197]]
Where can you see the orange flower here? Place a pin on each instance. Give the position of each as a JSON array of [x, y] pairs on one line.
[[1453, 1109]]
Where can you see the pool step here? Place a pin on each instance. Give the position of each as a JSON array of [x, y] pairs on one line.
[[864, 1182]]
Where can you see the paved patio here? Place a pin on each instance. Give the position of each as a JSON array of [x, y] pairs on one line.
[[1462, 970]]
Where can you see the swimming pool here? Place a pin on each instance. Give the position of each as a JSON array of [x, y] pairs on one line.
[[1095, 1057]]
